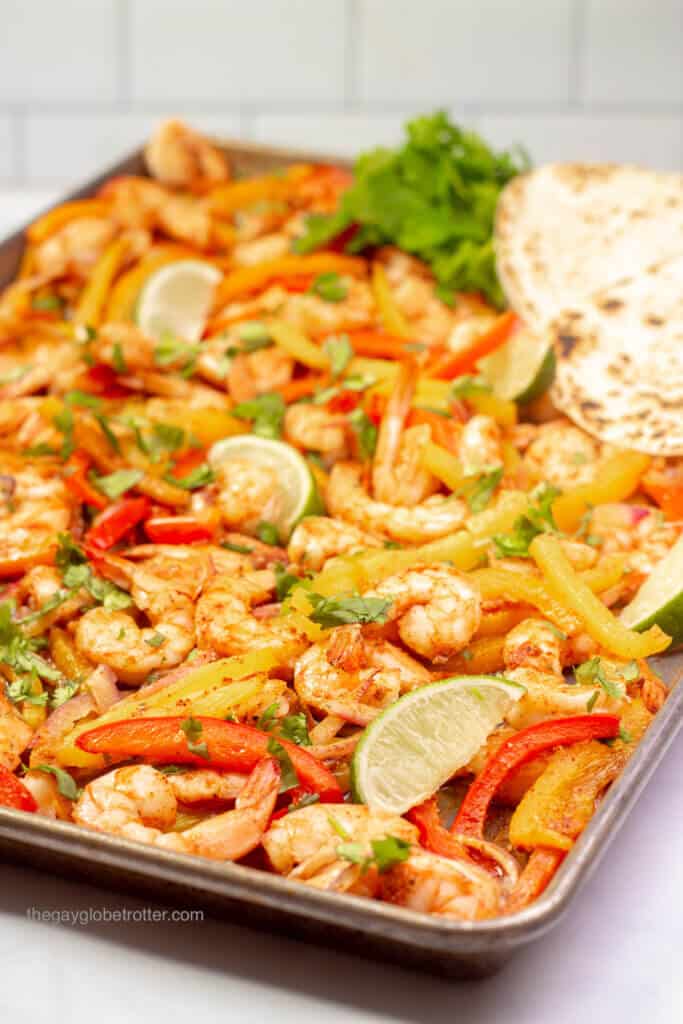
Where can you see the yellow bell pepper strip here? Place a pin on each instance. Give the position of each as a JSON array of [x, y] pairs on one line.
[[523, 746], [499, 623], [442, 464], [391, 316], [301, 348], [124, 294], [94, 296], [483, 656], [502, 410], [230, 746], [559, 805], [251, 279], [225, 200], [524, 588], [54, 220], [567, 587], [66, 655], [617, 479]]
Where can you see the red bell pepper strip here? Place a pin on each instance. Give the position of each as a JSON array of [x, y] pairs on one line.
[[103, 381], [434, 835], [453, 364], [177, 530], [76, 480], [115, 522], [516, 751], [14, 793], [188, 461], [232, 747]]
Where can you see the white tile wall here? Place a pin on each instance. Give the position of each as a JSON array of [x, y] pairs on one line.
[[81, 81]]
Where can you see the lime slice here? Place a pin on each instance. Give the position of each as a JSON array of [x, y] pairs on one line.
[[177, 298], [298, 491], [521, 369], [659, 602], [417, 744]]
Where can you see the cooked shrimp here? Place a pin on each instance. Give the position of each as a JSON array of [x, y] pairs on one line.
[[414, 293], [124, 345], [562, 454], [318, 538], [315, 428], [257, 250], [354, 676], [115, 639], [398, 477], [15, 734], [39, 364], [307, 311], [442, 886], [304, 842], [533, 656], [636, 531], [194, 786], [141, 203], [479, 445], [176, 155], [75, 248], [41, 585], [437, 610], [138, 802], [348, 500], [225, 621], [247, 493], [256, 373], [34, 508], [43, 788]]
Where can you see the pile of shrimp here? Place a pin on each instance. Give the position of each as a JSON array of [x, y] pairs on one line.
[[140, 572]]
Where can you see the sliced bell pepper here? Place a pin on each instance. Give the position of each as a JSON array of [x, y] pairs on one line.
[[231, 746], [665, 487], [76, 480], [454, 364], [618, 478], [95, 293], [434, 835], [391, 316], [13, 793], [537, 874], [115, 522], [177, 530], [184, 463], [516, 751], [56, 219], [103, 381], [251, 279], [301, 387], [380, 344]]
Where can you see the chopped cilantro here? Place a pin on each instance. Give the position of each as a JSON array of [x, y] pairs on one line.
[[386, 853], [66, 784], [266, 719], [267, 533], [64, 422], [284, 581], [307, 800], [156, 640], [340, 352], [294, 728], [329, 287], [479, 490], [199, 477], [117, 483], [365, 431], [240, 549], [47, 303], [338, 611], [593, 671], [267, 413], [83, 399], [289, 778], [193, 729]]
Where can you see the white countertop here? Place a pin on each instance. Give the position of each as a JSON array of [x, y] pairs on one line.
[[615, 958]]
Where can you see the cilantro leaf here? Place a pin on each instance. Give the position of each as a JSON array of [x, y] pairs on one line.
[[117, 483], [479, 490], [340, 352], [365, 431], [64, 692], [171, 350], [295, 728], [338, 611], [284, 581], [193, 729], [537, 519], [389, 851], [267, 413], [64, 422], [593, 671], [199, 477], [267, 533], [118, 359], [156, 640], [266, 719], [66, 784], [329, 287], [289, 778], [307, 800]]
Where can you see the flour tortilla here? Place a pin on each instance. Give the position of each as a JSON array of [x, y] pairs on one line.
[[566, 231], [591, 256], [621, 376]]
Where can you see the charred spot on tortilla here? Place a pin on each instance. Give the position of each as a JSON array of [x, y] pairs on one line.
[[611, 305], [567, 342], [654, 321]]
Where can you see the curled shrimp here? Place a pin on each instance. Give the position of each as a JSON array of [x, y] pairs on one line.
[[413, 291], [479, 445], [139, 802], [445, 887], [562, 454], [114, 638], [34, 508], [355, 676], [533, 656], [304, 842], [315, 428], [319, 538], [176, 155], [398, 477], [225, 620], [41, 585], [256, 373], [347, 499], [437, 610], [141, 203], [75, 248], [247, 493]]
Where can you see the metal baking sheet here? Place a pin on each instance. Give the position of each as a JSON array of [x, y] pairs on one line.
[[246, 896]]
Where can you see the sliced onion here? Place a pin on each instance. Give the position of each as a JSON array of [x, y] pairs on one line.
[[101, 685], [506, 865], [50, 734]]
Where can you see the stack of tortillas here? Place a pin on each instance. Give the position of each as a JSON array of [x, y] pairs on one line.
[[592, 255]]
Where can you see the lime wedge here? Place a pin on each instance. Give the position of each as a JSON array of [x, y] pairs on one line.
[[659, 602], [522, 369], [417, 744], [299, 495], [177, 298]]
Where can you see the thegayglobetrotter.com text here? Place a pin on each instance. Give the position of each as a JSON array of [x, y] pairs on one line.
[[107, 915]]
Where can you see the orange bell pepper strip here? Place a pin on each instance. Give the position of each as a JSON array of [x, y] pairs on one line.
[[665, 487], [114, 523], [301, 387], [380, 344], [536, 876], [516, 751], [454, 364], [124, 294], [54, 220], [231, 747], [76, 480], [225, 200], [13, 793], [94, 296], [177, 530], [251, 279]]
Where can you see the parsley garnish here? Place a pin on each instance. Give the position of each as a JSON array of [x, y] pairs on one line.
[[340, 611], [329, 287], [434, 197], [267, 413], [76, 573], [193, 730], [19, 651]]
